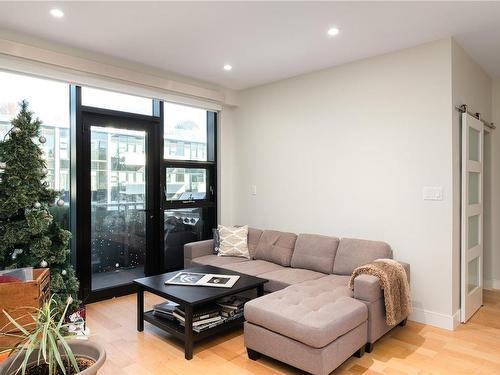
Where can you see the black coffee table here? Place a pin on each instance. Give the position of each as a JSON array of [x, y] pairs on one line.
[[191, 297]]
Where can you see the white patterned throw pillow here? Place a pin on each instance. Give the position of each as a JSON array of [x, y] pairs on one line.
[[233, 241]]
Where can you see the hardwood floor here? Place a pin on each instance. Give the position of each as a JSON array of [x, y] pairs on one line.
[[474, 348]]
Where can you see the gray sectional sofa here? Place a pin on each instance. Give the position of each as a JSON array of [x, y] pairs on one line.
[[309, 317]]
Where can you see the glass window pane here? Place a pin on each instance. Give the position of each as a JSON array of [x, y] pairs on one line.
[[185, 132], [474, 188], [474, 144], [118, 222], [473, 274], [116, 101], [185, 184], [49, 100], [473, 231]]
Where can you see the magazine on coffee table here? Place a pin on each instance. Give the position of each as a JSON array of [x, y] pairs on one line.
[[203, 279]]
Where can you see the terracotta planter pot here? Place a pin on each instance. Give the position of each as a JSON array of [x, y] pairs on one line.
[[81, 348]]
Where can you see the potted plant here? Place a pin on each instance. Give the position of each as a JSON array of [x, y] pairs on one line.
[[45, 347]]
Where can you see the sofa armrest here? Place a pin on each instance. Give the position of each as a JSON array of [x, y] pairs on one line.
[[198, 249], [367, 287]]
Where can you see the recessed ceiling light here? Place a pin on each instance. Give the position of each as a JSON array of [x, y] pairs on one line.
[[228, 67], [332, 31], [57, 13]]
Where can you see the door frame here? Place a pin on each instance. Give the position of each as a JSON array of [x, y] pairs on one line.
[[82, 214]]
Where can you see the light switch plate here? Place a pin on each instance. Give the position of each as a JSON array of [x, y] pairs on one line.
[[432, 193]]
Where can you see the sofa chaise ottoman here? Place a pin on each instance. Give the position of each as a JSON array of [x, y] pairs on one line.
[[308, 276], [314, 325]]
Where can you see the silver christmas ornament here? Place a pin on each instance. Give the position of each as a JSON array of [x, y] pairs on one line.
[[117, 265], [60, 202], [45, 171], [15, 130], [3, 165], [64, 272], [43, 264], [37, 205], [42, 139]]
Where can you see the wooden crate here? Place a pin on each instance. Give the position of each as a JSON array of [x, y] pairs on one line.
[[21, 298]]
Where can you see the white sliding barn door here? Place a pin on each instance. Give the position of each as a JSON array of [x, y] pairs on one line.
[[472, 216]]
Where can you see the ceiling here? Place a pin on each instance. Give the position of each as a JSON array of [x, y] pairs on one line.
[[263, 41]]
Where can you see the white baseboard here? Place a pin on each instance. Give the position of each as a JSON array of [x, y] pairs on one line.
[[492, 284], [449, 322]]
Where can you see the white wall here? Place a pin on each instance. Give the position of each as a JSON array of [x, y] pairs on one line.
[[471, 86], [492, 254], [346, 151], [225, 153]]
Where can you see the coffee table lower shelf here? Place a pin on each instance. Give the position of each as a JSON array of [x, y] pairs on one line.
[[175, 329]]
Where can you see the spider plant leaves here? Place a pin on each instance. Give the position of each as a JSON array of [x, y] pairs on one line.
[[47, 334]]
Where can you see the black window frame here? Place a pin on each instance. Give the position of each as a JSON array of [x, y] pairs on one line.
[[210, 166]]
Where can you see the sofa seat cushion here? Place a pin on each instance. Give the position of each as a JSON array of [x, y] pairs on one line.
[[353, 253], [314, 312], [315, 252], [276, 247], [253, 267], [217, 261], [280, 279]]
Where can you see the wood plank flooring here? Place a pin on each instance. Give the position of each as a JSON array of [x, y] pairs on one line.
[[474, 348]]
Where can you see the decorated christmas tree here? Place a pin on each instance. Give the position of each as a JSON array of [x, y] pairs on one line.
[[29, 236]]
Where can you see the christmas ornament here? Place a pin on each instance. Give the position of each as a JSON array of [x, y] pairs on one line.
[[43, 264], [16, 252], [117, 265], [45, 171], [64, 272], [37, 205], [15, 130], [60, 202], [42, 139], [3, 165]]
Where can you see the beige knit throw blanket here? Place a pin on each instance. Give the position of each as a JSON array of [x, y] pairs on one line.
[[392, 278]]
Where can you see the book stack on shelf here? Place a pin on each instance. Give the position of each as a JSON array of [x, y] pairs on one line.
[[165, 310], [204, 318], [224, 310], [232, 307]]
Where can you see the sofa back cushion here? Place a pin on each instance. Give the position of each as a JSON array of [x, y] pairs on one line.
[[253, 240], [353, 253], [276, 247], [315, 252]]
